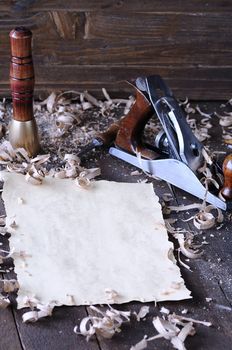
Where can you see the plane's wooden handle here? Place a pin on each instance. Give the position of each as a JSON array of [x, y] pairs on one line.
[[21, 74], [129, 137], [109, 136], [226, 191]]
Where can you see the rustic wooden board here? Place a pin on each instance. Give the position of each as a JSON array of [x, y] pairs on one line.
[[55, 333], [211, 278], [120, 5], [9, 339], [133, 35], [213, 82]]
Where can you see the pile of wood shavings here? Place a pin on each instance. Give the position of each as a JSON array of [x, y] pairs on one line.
[[106, 323], [174, 328], [68, 121]]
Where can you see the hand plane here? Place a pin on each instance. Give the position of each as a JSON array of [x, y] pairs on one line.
[[176, 154]]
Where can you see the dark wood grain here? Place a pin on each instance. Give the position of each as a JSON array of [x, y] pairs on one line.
[[9, 339], [21, 74], [226, 191], [22, 6], [198, 82], [108, 33], [56, 332]]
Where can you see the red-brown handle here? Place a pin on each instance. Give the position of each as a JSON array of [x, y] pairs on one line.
[[131, 127], [226, 191], [109, 136], [21, 74]]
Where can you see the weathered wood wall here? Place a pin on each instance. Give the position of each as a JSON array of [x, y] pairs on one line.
[[87, 44]]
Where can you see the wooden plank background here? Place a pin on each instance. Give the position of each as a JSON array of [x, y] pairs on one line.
[[87, 44]]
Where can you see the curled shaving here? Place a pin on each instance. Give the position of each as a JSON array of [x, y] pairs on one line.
[[203, 114], [69, 113], [17, 160], [200, 128], [85, 177], [182, 263], [204, 219], [43, 311], [164, 310], [6, 255], [144, 310], [225, 120], [4, 302], [105, 323], [73, 170], [185, 245], [34, 177], [174, 328]]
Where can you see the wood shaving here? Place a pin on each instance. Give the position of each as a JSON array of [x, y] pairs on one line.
[[140, 345], [189, 109], [4, 254], [33, 178], [201, 127], [181, 262], [164, 310], [167, 197], [38, 310], [18, 161], [73, 170], [72, 159], [105, 323], [179, 318], [82, 182], [202, 220], [203, 114], [208, 300], [185, 245], [136, 173], [182, 103], [43, 311], [184, 312], [225, 121], [175, 329], [4, 302], [144, 310], [172, 229], [50, 102]]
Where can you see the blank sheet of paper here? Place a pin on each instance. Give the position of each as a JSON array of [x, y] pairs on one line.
[[79, 243]]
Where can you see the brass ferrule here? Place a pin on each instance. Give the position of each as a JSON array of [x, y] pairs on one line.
[[24, 134]]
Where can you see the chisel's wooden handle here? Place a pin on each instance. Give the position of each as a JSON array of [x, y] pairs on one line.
[[21, 74], [226, 191]]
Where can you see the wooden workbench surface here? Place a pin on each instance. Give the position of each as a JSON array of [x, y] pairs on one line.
[[211, 277]]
